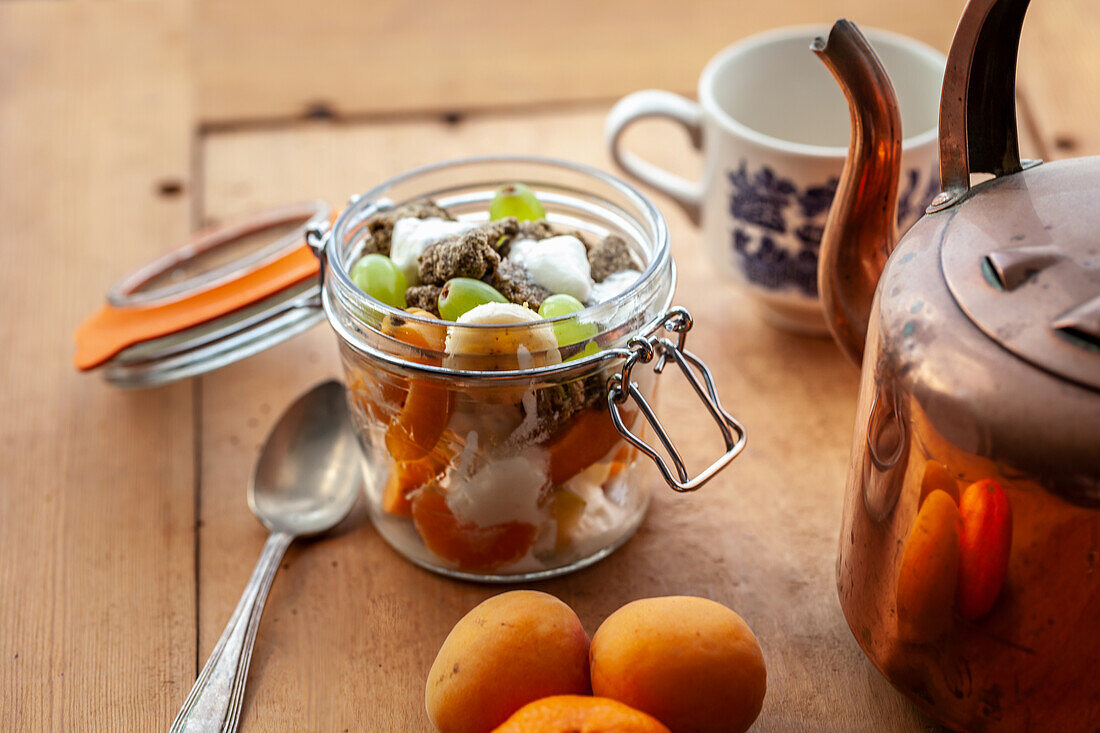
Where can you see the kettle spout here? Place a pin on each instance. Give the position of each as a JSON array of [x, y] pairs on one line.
[[860, 231]]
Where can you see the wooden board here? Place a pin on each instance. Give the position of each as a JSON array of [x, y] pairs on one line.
[[103, 493], [96, 494], [351, 628], [285, 58]]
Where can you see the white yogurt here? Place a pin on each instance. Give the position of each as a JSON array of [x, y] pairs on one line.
[[501, 490], [411, 236], [559, 264], [613, 284]]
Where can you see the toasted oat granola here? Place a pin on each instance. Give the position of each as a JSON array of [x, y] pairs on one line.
[[470, 254], [425, 297], [380, 225], [609, 256], [516, 285]]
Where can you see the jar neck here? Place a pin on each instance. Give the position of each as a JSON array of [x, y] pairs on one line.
[[575, 197]]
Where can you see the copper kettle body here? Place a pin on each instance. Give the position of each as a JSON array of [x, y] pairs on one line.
[[970, 536]]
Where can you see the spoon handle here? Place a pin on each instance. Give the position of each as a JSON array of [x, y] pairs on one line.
[[215, 701]]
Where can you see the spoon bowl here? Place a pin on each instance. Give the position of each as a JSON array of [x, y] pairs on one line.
[[306, 481], [307, 477]]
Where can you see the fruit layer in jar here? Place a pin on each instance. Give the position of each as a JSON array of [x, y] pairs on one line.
[[512, 478]]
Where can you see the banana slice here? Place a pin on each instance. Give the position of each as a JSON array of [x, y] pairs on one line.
[[523, 347]]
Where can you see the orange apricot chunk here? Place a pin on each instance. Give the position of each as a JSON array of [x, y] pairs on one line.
[[936, 476], [415, 333], [622, 458], [474, 548], [511, 649], [428, 405], [928, 571], [984, 545], [405, 478], [417, 428], [587, 438], [691, 663], [579, 714]]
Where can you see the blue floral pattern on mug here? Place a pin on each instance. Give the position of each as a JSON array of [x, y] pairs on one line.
[[777, 226]]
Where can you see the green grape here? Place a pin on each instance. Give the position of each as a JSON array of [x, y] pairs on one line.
[[589, 349], [570, 331], [463, 294], [379, 277], [516, 200]]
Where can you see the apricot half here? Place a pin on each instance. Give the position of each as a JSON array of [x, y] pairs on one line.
[[509, 650], [692, 663]]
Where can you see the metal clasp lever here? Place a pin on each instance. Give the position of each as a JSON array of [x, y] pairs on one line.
[[621, 388]]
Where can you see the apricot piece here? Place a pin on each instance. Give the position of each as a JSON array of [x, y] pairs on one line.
[[929, 568], [415, 333], [692, 663], [509, 650], [416, 429], [587, 438], [473, 547], [376, 395], [428, 405], [405, 478], [936, 476], [985, 541], [577, 714], [622, 458]]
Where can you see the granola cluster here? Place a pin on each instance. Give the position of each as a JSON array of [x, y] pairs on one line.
[[380, 225], [470, 254], [609, 256], [481, 253], [516, 285]]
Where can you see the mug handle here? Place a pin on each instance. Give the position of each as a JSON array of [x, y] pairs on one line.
[[657, 103]]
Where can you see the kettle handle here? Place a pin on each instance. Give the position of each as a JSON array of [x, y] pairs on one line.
[[978, 132]]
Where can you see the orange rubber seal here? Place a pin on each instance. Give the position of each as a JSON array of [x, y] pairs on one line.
[[112, 329]]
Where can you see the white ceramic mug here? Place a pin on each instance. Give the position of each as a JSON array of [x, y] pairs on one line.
[[773, 128]]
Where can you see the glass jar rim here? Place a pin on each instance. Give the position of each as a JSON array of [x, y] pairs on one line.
[[658, 265]]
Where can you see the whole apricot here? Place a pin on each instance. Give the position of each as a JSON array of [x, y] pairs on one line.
[[692, 663], [509, 650], [580, 714]]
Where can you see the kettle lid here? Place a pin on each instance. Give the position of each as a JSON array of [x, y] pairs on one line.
[[1021, 257]]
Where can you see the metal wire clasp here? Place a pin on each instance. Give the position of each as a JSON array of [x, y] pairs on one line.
[[620, 388], [317, 237]]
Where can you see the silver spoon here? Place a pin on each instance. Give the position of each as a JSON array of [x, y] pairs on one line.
[[305, 482]]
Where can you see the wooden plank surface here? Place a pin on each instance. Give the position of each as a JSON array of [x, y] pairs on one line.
[[96, 494], [103, 624], [351, 628], [285, 58]]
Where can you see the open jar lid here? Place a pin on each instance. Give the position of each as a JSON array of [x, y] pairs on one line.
[[227, 293]]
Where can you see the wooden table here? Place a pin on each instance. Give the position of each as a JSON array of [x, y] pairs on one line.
[[124, 536]]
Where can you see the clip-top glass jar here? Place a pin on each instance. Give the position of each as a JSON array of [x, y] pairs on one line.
[[492, 452], [489, 452]]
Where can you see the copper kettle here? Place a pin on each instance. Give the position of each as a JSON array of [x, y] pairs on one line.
[[970, 544]]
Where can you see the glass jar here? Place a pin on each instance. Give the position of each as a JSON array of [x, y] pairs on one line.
[[489, 452], [522, 464]]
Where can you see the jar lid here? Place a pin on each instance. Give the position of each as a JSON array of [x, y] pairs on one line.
[[1023, 262], [228, 292]]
